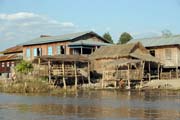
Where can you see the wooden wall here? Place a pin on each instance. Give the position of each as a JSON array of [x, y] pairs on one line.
[[173, 52], [7, 66]]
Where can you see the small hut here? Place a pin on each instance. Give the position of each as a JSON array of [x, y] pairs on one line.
[[64, 69], [123, 62]]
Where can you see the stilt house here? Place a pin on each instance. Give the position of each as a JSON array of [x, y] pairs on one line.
[[9, 58], [167, 50], [122, 62]]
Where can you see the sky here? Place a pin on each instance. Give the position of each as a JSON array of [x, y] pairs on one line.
[[23, 20]]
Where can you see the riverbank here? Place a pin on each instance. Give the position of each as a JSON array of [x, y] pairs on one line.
[[32, 86], [173, 84]]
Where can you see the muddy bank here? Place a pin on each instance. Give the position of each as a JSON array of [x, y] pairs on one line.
[[163, 84]]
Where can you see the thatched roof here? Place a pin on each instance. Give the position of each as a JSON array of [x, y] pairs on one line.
[[132, 50], [121, 62], [62, 58]]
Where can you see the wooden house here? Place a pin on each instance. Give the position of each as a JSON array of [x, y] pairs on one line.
[[9, 58], [167, 50], [122, 62], [82, 43]]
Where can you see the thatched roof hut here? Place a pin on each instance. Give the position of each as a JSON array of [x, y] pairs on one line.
[[132, 50], [119, 62]]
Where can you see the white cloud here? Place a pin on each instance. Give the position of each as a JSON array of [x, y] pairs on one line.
[[19, 27], [18, 16], [67, 24]]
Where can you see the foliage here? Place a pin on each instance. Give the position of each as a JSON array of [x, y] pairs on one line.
[[166, 33], [108, 37], [124, 38], [24, 67]]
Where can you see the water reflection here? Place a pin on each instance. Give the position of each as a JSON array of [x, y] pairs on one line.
[[103, 105]]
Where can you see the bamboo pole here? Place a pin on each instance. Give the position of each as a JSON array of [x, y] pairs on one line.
[[63, 70], [75, 74]]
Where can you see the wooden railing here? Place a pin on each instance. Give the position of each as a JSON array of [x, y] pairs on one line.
[[170, 75]]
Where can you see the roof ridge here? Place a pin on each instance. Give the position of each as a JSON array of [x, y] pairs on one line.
[[157, 37]]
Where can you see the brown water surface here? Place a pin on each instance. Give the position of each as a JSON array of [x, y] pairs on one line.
[[92, 105]]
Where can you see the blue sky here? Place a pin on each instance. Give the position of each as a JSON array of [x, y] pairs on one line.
[[22, 20]]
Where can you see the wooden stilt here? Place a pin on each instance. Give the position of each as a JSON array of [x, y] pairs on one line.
[[102, 81], [158, 71], [39, 61], [75, 74], [143, 64], [89, 77], [149, 64], [63, 70], [128, 77], [177, 72], [81, 50], [49, 67]]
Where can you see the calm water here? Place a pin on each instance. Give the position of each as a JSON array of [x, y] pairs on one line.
[[93, 105]]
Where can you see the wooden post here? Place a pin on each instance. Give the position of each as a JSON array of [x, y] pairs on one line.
[[128, 77], [89, 77], [49, 67], [161, 72], [142, 63], [177, 72], [81, 50], [75, 74], [39, 61], [158, 70], [149, 70], [63, 70], [102, 84]]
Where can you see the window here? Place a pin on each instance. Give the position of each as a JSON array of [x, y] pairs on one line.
[[28, 53], [3, 64], [7, 64], [63, 49], [50, 51], [35, 52], [152, 52], [58, 50], [12, 64], [168, 54]]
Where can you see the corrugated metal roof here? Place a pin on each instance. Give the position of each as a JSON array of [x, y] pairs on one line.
[[88, 42], [15, 49], [10, 57], [158, 41], [50, 39]]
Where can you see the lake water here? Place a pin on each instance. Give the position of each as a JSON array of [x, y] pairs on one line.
[[93, 105]]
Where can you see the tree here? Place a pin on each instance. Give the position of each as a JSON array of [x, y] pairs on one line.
[[108, 37], [24, 67], [124, 38], [166, 33]]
